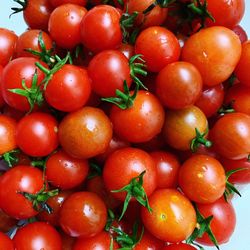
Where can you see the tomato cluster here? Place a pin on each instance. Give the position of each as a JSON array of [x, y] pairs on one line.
[[124, 124]]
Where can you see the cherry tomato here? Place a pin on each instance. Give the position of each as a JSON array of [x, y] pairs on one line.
[[179, 246], [5, 242]]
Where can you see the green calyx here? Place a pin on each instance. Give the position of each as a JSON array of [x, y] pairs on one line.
[[23, 5], [11, 157], [226, 108], [161, 3], [95, 170]]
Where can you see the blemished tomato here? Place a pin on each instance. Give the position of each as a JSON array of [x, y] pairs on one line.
[[178, 85], [36, 134], [83, 214], [37, 235], [141, 122], [158, 47], [173, 217], [7, 45], [103, 20], [230, 136], [5, 242], [70, 84], [209, 47], [19, 179], [70, 15], [202, 179], [85, 133], [56, 3], [7, 134], [223, 222], [179, 246], [64, 171]]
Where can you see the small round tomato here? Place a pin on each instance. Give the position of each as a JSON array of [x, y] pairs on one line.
[[173, 217], [85, 133], [202, 179], [5, 242], [158, 47], [36, 134], [83, 214], [37, 235], [179, 246]]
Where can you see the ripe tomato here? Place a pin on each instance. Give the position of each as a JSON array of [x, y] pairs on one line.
[[209, 47], [5, 242], [85, 133], [202, 179], [70, 15], [20, 179], [36, 134], [141, 122], [83, 214], [127, 50], [56, 3], [179, 246], [173, 218], [37, 235], [178, 85], [158, 47]]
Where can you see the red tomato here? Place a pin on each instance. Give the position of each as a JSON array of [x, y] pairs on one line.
[[36, 134], [5, 242], [179, 246], [37, 235], [6, 222], [127, 50], [241, 33], [173, 218], [83, 214], [158, 47], [56, 3]]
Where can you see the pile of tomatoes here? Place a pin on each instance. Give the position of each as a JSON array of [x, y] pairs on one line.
[[124, 124]]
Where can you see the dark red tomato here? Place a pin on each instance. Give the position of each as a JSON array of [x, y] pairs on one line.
[[241, 177], [179, 246], [70, 15], [103, 20], [36, 14], [127, 50], [69, 88], [202, 179], [19, 179], [101, 241], [211, 100], [5, 242], [37, 235], [230, 136], [83, 214], [29, 40], [36, 134], [8, 128], [158, 47], [167, 167], [223, 223], [67, 241], [6, 222], [173, 218], [55, 203], [141, 122], [240, 32], [233, 12], [178, 85], [179, 128], [125, 164], [64, 171], [209, 47], [7, 45], [85, 133], [241, 71], [108, 70], [56, 3], [14, 73]]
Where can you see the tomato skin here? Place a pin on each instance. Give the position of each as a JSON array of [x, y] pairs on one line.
[[7, 45], [127, 50], [240, 32], [85, 133], [83, 214], [71, 16], [107, 27], [12, 182], [7, 134], [37, 235], [132, 162], [56, 3], [178, 85], [70, 84], [108, 70], [179, 246], [209, 47], [145, 118], [223, 223], [173, 218], [6, 222], [5, 242], [230, 136], [36, 134], [202, 179], [158, 47]]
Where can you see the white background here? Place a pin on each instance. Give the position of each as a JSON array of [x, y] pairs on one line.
[[241, 238]]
